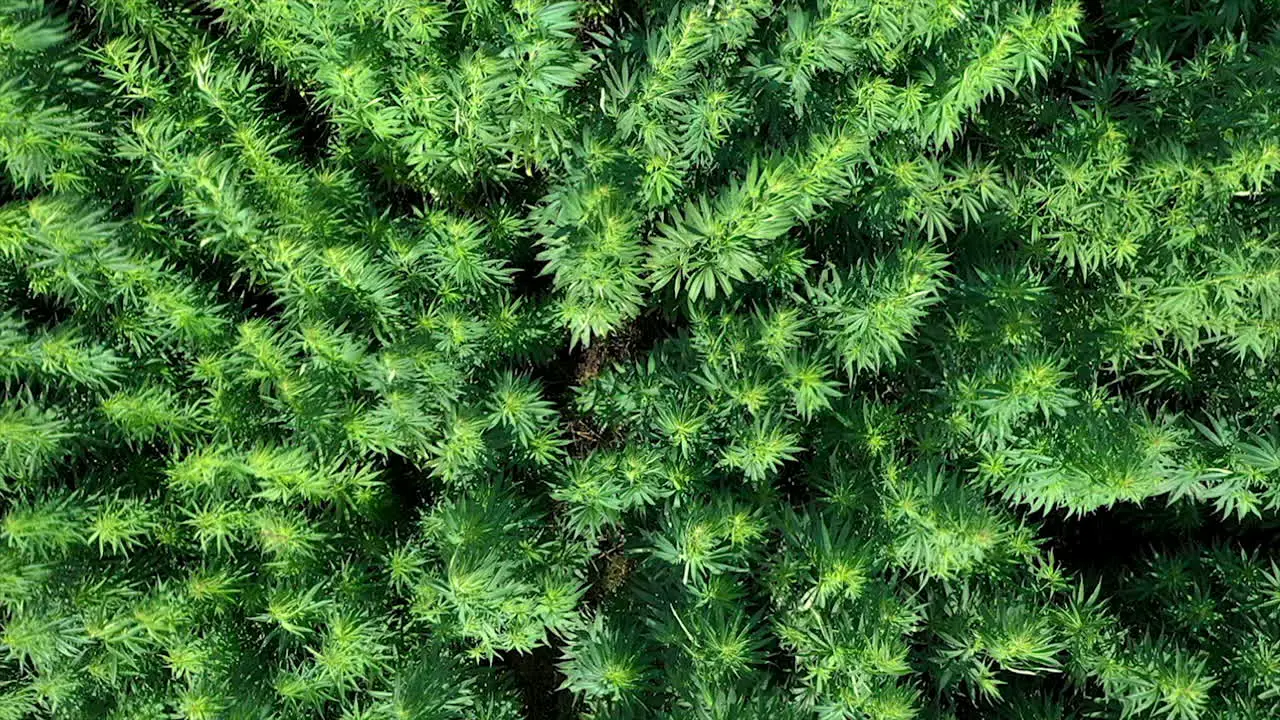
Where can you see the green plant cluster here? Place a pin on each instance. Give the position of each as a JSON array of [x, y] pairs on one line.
[[712, 360]]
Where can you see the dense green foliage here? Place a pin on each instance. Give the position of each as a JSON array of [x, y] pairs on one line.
[[444, 359]]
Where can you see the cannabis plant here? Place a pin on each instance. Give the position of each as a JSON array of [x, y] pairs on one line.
[[746, 359]]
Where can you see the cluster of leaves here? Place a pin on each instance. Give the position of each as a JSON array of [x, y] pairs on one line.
[[837, 359]]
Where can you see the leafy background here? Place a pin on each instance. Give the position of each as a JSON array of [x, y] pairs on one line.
[[842, 359]]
